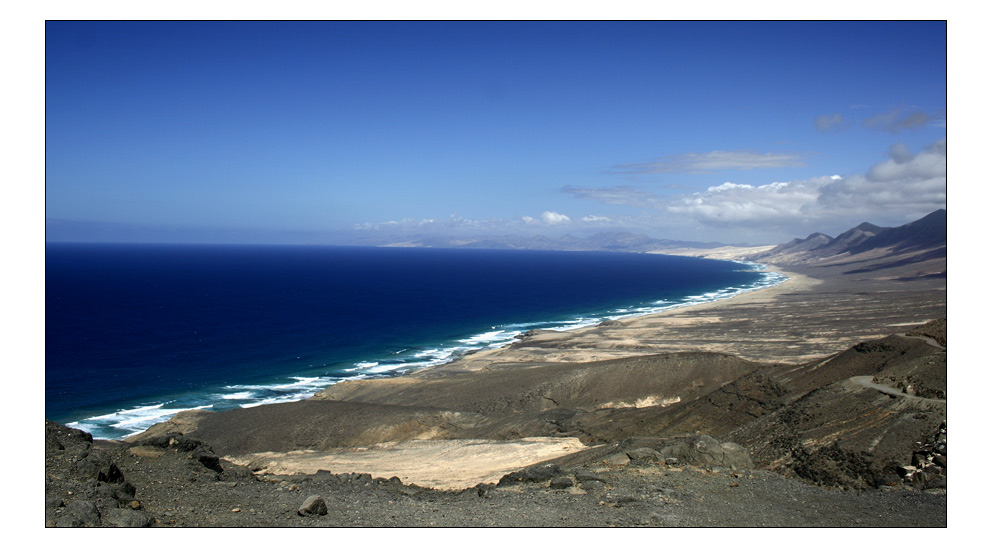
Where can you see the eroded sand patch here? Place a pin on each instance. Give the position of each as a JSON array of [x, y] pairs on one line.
[[439, 464]]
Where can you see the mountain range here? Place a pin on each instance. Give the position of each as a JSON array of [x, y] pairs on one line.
[[921, 245], [603, 241], [925, 238]]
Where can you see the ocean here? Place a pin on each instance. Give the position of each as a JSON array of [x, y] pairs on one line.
[[137, 333]]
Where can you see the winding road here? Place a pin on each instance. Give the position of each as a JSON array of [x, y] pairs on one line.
[[866, 381]]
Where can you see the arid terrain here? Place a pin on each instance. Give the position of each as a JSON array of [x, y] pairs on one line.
[[819, 402]]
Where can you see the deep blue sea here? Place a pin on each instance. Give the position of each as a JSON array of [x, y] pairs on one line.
[[136, 333]]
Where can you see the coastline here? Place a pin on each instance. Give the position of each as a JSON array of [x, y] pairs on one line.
[[635, 335], [297, 386], [812, 314], [475, 360]]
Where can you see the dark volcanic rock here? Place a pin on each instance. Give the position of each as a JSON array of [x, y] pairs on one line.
[[701, 450], [534, 474], [80, 513], [644, 454], [126, 517], [313, 505], [835, 467]]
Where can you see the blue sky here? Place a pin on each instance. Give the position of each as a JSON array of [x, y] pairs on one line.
[[323, 132]]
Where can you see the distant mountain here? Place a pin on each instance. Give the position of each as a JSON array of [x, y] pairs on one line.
[[926, 233], [603, 241], [868, 246]]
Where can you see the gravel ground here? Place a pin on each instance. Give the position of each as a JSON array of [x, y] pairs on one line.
[[172, 487]]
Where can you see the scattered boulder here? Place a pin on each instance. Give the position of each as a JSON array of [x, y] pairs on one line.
[[314, 505], [235, 472], [889, 480], [592, 484], [616, 459], [561, 483], [207, 458], [80, 513], [644, 454], [98, 466], [583, 475], [126, 517], [534, 474], [701, 450]]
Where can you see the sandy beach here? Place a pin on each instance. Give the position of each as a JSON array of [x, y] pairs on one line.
[[813, 313]]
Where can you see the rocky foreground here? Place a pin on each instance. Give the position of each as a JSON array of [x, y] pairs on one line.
[[175, 482]]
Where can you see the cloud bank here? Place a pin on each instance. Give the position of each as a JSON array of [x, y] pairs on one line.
[[902, 188]]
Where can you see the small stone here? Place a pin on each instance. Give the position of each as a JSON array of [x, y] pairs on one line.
[[593, 484], [616, 459], [314, 505], [623, 498], [587, 476], [236, 510], [561, 483], [890, 480], [644, 453], [124, 517]]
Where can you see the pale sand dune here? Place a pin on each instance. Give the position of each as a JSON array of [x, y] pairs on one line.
[[728, 253], [439, 464]]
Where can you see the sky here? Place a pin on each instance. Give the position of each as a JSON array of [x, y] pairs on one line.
[[334, 132]]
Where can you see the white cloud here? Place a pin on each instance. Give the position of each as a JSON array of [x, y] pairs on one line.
[[902, 188], [596, 219], [554, 218], [906, 185], [695, 162], [731, 203], [914, 183]]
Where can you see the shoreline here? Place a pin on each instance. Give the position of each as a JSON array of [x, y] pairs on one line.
[[805, 316], [486, 353], [587, 342], [813, 313], [435, 356]]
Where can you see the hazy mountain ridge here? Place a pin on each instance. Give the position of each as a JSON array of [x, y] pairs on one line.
[[603, 241], [871, 247]]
